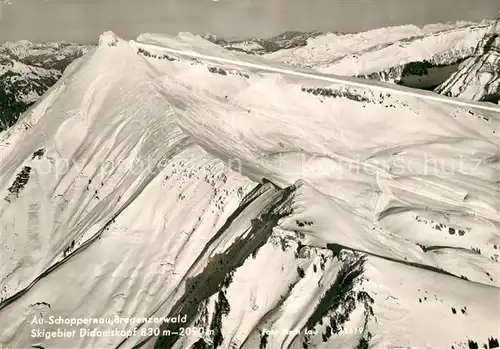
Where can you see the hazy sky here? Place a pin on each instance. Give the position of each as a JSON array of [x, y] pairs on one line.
[[85, 20]]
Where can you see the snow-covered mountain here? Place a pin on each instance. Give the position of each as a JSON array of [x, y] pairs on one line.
[[478, 78], [409, 55], [27, 70], [249, 203]]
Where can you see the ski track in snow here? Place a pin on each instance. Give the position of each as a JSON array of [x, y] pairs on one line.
[[329, 78]]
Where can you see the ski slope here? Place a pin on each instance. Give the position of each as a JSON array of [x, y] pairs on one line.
[[271, 206]]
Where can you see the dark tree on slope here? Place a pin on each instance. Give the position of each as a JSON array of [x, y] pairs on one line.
[[415, 68], [10, 108]]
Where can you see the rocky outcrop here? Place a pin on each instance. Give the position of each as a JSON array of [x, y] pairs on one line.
[[478, 78]]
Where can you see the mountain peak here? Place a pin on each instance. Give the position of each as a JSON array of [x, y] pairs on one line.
[[210, 37], [109, 38], [18, 43]]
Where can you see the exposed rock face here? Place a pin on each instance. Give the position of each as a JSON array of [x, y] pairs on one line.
[[27, 70], [478, 78]]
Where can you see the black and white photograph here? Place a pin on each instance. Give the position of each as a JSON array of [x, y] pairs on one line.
[[249, 174]]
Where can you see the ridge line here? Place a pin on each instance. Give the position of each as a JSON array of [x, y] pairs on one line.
[[336, 79]]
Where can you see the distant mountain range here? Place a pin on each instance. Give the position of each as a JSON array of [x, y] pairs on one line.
[[28, 70], [446, 55], [419, 57], [258, 46]]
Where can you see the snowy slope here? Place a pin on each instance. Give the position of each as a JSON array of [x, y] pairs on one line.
[[413, 56], [478, 77], [271, 210], [27, 70]]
